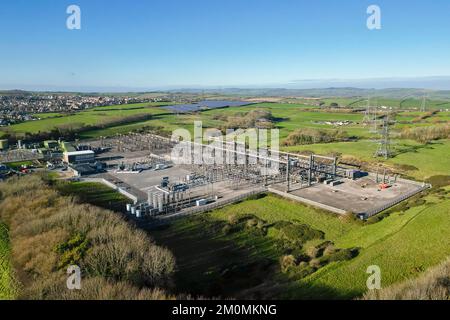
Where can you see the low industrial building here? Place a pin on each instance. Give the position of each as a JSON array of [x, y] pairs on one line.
[[75, 157], [85, 169], [51, 144]]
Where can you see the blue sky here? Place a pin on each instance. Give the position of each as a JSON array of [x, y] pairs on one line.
[[195, 43]]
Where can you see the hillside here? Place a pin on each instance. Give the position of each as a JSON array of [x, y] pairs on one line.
[[50, 232], [434, 284]]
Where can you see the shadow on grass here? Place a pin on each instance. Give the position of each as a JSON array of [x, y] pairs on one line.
[[415, 149], [241, 265]]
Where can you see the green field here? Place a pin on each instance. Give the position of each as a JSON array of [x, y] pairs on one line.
[[402, 245], [7, 290], [288, 118], [429, 160], [212, 262], [89, 117], [94, 193]]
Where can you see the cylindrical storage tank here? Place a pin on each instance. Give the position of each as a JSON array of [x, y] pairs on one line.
[[150, 198], [155, 200], [128, 207], [138, 213], [160, 203], [133, 210]]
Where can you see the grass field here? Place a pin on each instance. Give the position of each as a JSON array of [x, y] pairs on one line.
[[289, 117], [428, 159], [94, 193], [6, 283], [88, 117], [211, 262], [403, 245]]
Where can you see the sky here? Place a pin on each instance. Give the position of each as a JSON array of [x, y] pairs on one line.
[[157, 44]]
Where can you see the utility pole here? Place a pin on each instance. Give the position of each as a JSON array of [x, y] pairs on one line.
[[384, 143]]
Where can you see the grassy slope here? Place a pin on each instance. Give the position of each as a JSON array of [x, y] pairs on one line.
[[89, 117], [402, 244], [6, 284], [430, 285]]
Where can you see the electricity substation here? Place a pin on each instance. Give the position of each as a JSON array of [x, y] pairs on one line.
[[164, 178]]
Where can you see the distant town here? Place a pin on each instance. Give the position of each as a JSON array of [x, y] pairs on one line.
[[16, 107]]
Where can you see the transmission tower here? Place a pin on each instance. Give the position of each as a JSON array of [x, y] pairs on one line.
[[374, 118], [424, 104], [367, 116], [384, 143]]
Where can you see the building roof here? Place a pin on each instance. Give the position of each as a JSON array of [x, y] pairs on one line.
[[79, 153]]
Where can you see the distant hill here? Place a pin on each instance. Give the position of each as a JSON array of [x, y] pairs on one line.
[[347, 92], [331, 92]]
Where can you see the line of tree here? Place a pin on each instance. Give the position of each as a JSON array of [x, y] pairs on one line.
[[310, 136], [245, 120], [71, 131], [426, 134]]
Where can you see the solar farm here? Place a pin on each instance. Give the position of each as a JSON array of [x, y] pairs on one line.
[[205, 105]]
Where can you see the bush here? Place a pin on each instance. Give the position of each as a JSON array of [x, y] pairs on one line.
[[72, 251], [49, 231], [311, 136], [287, 262], [426, 134], [439, 181], [315, 263], [227, 229], [329, 250], [298, 233], [312, 252], [343, 254]]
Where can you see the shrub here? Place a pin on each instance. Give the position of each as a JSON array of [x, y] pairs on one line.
[[310, 136], [227, 229], [312, 252], [298, 233], [287, 262], [426, 134], [329, 250], [439, 181], [72, 251], [315, 263], [233, 218], [49, 231], [343, 254]]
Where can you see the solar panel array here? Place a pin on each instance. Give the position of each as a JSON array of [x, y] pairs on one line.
[[206, 104]]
